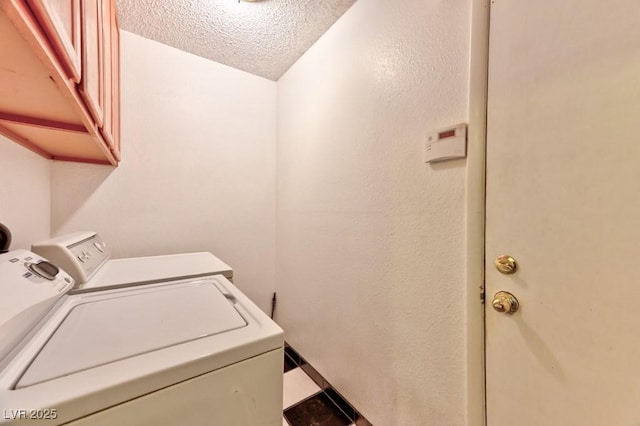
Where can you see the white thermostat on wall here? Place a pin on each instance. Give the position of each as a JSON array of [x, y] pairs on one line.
[[446, 144]]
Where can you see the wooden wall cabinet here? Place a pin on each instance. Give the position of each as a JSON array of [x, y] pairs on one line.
[[61, 19], [59, 78], [111, 69], [92, 84]]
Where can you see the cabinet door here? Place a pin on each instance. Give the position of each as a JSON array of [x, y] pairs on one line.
[[111, 77], [115, 72], [60, 21], [91, 84]]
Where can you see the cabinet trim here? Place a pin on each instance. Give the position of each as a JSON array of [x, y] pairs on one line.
[[41, 122], [24, 142]]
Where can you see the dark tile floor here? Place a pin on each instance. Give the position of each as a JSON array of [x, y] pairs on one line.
[[309, 400], [316, 410]]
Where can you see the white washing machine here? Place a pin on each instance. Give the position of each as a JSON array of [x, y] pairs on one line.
[[192, 351], [87, 258]]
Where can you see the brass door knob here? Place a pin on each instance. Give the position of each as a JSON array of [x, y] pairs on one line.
[[505, 302]]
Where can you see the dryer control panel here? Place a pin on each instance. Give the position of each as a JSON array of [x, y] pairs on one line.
[[80, 254], [29, 286]]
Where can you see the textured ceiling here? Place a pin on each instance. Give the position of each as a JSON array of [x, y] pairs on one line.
[[261, 37]]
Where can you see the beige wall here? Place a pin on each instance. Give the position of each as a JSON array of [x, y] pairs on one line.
[[198, 169], [370, 242], [24, 194]]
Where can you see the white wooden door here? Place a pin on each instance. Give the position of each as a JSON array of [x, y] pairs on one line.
[[563, 198]]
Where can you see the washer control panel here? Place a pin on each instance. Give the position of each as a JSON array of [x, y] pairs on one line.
[[80, 254]]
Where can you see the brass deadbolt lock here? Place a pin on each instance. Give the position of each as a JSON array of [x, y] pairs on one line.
[[506, 264]]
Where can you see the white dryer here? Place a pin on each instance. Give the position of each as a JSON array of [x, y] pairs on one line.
[[193, 351], [87, 258]]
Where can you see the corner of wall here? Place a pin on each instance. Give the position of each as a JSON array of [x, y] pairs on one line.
[[25, 193]]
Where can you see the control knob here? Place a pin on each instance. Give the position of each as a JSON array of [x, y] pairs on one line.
[[44, 269]]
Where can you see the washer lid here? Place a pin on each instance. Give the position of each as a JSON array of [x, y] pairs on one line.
[[140, 270], [122, 325]]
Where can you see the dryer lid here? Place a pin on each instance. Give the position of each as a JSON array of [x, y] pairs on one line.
[[120, 324]]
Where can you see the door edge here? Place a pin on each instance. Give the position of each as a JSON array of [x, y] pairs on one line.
[[475, 214]]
